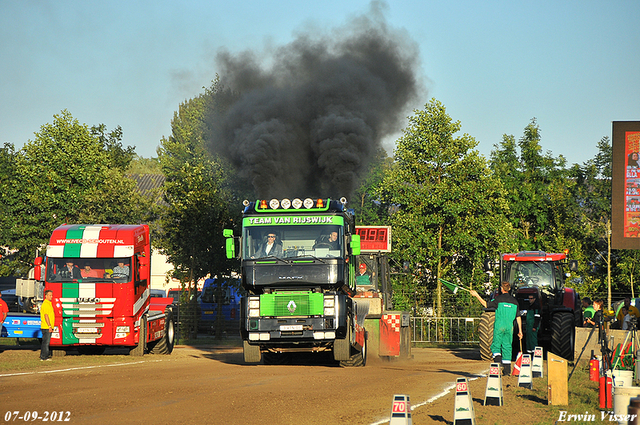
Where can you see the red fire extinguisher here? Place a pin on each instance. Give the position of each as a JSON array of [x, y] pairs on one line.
[[606, 396], [594, 368]]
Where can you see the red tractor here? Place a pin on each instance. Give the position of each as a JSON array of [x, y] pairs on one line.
[[543, 275]]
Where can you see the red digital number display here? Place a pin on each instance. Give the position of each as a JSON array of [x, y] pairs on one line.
[[374, 238]]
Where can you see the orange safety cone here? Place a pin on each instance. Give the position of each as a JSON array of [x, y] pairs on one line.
[[518, 364]]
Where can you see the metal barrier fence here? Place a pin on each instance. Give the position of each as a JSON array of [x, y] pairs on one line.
[[455, 330]]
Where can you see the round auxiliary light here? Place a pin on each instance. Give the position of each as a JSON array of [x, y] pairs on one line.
[[286, 204], [343, 200], [245, 203], [308, 203], [274, 204], [297, 203]]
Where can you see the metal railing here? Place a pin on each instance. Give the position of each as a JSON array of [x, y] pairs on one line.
[[448, 330]]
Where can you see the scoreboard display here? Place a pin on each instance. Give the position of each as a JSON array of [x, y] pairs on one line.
[[374, 238]]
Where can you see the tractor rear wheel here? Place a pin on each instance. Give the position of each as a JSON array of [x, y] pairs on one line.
[[563, 334], [485, 331]]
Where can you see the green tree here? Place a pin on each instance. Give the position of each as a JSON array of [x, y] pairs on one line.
[[448, 209], [592, 195], [198, 209], [68, 174], [368, 207], [535, 184]]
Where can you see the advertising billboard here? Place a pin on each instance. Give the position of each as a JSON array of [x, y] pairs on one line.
[[625, 196]]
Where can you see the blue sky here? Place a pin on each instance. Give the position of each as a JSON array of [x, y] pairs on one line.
[[574, 65]]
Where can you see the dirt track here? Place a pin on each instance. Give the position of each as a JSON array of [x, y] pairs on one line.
[[194, 386]]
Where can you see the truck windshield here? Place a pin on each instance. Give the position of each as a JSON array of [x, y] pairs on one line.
[[321, 241], [529, 273], [88, 269]]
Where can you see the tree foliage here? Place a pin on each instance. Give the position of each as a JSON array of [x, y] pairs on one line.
[[70, 173], [448, 209], [198, 204]]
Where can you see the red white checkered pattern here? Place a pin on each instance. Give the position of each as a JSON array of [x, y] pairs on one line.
[[393, 320]]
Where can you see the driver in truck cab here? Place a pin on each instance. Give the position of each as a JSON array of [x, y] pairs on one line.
[[271, 247], [328, 241]]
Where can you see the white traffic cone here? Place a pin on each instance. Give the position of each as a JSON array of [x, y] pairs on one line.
[[401, 410], [524, 380], [537, 370], [493, 394], [464, 414]]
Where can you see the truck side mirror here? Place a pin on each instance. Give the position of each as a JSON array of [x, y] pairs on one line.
[[573, 265], [37, 271], [230, 245], [355, 244]]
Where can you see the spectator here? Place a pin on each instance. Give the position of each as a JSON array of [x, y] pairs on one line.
[[47, 321], [70, 271], [588, 313], [630, 309], [4, 310], [626, 318], [87, 271]]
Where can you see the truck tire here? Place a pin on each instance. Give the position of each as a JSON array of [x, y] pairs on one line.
[[563, 335], [142, 340], [485, 331], [342, 347], [358, 358], [251, 352], [165, 344]]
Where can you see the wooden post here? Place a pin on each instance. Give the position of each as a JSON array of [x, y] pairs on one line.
[[557, 384]]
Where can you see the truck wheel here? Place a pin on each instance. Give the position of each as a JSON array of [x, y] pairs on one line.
[[485, 331], [358, 358], [342, 347], [142, 340], [562, 335], [165, 344], [251, 352]]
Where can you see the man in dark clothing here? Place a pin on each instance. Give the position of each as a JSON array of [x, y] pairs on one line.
[[506, 307], [533, 322]]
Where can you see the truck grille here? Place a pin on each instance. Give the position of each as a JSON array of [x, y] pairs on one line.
[[291, 304]]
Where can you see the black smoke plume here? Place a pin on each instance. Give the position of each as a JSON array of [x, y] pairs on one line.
[[307, 119]]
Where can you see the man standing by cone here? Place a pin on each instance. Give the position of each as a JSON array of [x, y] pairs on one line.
[[506, 307]]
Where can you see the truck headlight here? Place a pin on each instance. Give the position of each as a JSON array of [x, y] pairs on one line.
[[330, 306], [122, 329], [254, 306]]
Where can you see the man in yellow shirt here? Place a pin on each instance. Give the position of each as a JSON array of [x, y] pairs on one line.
[[632, 310], [47, 321]]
